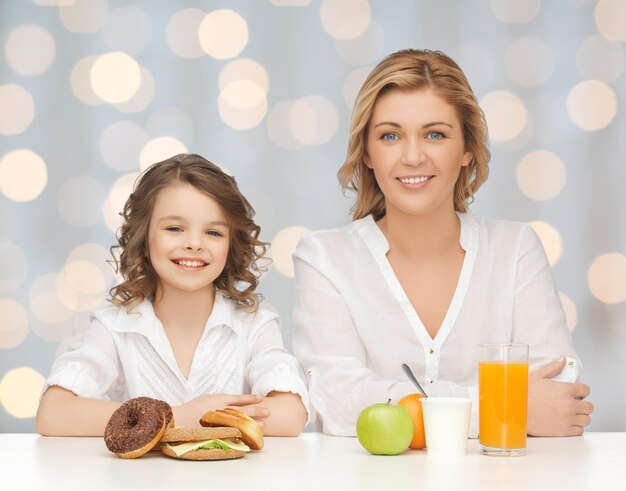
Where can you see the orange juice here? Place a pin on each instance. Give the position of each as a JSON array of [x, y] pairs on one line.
[[503, 401]]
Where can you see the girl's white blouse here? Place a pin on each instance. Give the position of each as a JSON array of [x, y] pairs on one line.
[[354, 325], [127, 354]]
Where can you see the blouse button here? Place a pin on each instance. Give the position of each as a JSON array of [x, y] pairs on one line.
[[431, 351], [309, 373]]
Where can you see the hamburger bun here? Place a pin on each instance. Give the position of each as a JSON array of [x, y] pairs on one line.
[[172, 435], [251, 433], [202, 454]]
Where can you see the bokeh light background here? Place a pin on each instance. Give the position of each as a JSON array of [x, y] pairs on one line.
[[93, 91]]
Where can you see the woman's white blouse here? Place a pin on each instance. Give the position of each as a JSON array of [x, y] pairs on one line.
[[127, 354], [354, 325]]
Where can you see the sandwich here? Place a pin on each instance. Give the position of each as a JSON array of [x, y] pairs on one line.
[[216, 443], [251, 433]]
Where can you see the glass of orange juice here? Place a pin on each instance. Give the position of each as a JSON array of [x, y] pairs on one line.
[[503, 398]]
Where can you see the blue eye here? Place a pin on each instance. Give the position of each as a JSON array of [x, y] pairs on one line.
[[174, 228], [214, 233], [390, 137], [435, 135]]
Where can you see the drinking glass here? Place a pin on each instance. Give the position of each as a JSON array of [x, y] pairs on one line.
[[503, 398]]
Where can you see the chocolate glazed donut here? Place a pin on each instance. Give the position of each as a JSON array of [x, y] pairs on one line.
[[137, 426], [167, 410]]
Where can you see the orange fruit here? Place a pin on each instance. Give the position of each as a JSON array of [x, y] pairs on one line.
[[413, 405]]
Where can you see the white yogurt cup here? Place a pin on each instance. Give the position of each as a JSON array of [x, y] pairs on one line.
[[446, 424]]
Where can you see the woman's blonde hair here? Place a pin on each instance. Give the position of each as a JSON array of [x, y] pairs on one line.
[[414, 69], [241, 273]]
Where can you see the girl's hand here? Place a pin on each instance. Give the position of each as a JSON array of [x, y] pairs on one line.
[[556, 408], [188, 415]]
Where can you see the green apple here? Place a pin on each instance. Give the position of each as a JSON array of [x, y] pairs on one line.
[[384, 429]]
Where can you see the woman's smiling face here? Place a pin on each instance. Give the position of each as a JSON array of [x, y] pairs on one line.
[[416, 150]]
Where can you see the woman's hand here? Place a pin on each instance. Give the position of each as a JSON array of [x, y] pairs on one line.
[[556, 408], [288, 415], [188, 415]]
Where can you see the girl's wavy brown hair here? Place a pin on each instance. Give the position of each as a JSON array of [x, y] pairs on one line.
[[414, 69], [243, 267]]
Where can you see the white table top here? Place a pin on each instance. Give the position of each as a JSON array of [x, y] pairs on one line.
[[595, 461]]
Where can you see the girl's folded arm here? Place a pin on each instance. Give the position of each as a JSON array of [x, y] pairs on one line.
[[77, 396], [63, 413]]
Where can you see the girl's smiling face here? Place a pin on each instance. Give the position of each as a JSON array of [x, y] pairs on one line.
[[416, 150], [188, 239]]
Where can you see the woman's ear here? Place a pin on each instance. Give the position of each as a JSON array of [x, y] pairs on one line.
[[367, 161], [467, 159]]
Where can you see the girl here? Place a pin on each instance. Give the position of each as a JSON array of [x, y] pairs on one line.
[[415, 278], [185, 325]]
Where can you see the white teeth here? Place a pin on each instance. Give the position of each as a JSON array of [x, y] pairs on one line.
[[413, 180], [190, 264]]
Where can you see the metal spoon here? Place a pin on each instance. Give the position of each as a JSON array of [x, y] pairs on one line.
[[409, 373]]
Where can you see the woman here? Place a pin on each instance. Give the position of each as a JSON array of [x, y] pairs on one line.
[[415, 278]]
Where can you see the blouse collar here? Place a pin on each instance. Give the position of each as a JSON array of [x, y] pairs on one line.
[[142, 319], [378, 244]]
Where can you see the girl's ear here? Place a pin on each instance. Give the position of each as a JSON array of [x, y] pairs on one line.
[[367, 161]]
